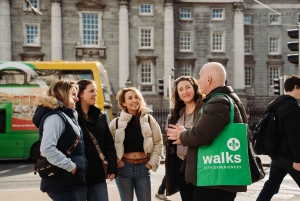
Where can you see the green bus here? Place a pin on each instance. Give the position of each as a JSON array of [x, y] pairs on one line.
[[20, 82]]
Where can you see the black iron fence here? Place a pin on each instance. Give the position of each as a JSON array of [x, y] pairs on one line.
[[255, 114]]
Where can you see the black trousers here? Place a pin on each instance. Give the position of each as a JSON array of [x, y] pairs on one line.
[[186, 190], [210, 194]]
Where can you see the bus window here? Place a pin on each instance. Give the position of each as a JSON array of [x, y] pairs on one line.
[[76, 75], [47, 76], [14, 77]]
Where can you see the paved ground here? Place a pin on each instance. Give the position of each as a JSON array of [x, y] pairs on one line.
[[31, 192]]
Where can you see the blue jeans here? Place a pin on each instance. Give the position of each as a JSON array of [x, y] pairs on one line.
[[64, 196], [278, 170], [97, 192], [134, 177]]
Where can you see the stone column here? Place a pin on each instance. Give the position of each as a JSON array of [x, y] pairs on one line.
[[123, 43], [5, 34], [168, 43], [238, 47], [56, 30]]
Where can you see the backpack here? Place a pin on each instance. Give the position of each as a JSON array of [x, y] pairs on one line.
[[266, 139]]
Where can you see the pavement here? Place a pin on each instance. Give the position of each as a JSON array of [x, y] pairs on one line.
[[32, 192]]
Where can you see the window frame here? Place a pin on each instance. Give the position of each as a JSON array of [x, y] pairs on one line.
[[218, 19], [100, 39], [28, 9], [191, 41], [298, 18], [271, 78], [151, 38], [249, 77], [189, 66], [25, 44], [191, 14], [250, 43], [279, 45], [251, 19], [278, 17], [151, 83], [223, 41], [146, 14]]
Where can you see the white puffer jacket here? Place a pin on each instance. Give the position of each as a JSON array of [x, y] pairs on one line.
[[152, 136]]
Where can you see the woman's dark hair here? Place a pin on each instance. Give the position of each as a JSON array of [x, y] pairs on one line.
[[82, 84], [179, 104]]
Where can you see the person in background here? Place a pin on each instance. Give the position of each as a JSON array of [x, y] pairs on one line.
[[138, 142], [287, 158], [187, 102], [58, 135], [95, 131], [207, 127]]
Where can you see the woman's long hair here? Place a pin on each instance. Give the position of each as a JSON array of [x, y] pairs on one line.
[[177, 102]]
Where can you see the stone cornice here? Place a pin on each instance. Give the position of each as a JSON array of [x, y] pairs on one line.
[[55, 1], [90, 4], [140, 58]]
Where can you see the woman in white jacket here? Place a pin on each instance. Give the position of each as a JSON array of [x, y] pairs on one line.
[[138, 142]]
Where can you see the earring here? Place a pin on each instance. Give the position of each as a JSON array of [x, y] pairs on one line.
[[179, 99]]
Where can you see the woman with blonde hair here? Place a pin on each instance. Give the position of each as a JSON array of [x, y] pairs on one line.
[[138, 143], [61, 140]]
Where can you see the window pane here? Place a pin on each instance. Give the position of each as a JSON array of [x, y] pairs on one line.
[[217, 13], [32, 34], [146, 8], [145, 37], [274, 74], [185, 13], [273, 45], [186, 70], [34, 3], [90, 29], [146, 78], [248, 45], [185, 41], [248, 76], [247, 19], [217, 41]]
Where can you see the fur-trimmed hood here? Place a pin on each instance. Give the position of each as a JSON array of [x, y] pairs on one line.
[[44, 105]]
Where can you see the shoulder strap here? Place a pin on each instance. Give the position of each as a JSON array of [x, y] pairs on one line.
[[117, 119]]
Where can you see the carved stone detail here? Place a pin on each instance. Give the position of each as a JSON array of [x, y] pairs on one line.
[[238, 7], [90, 52], [139, 59], [32, 56], [123, 2], [90, 4]]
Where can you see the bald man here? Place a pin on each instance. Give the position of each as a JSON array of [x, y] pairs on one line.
[[209, 124]]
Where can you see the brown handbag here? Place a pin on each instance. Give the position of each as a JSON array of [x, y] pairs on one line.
[[104, 161]]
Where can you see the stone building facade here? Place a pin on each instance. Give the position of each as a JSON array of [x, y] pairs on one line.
[[142, 41]]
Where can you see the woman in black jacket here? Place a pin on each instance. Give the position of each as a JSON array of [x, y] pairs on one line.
[[97, 138]]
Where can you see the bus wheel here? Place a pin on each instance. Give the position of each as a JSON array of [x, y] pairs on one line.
[[34, 152]]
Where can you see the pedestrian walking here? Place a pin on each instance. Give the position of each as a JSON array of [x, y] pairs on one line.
[[286, 160]]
